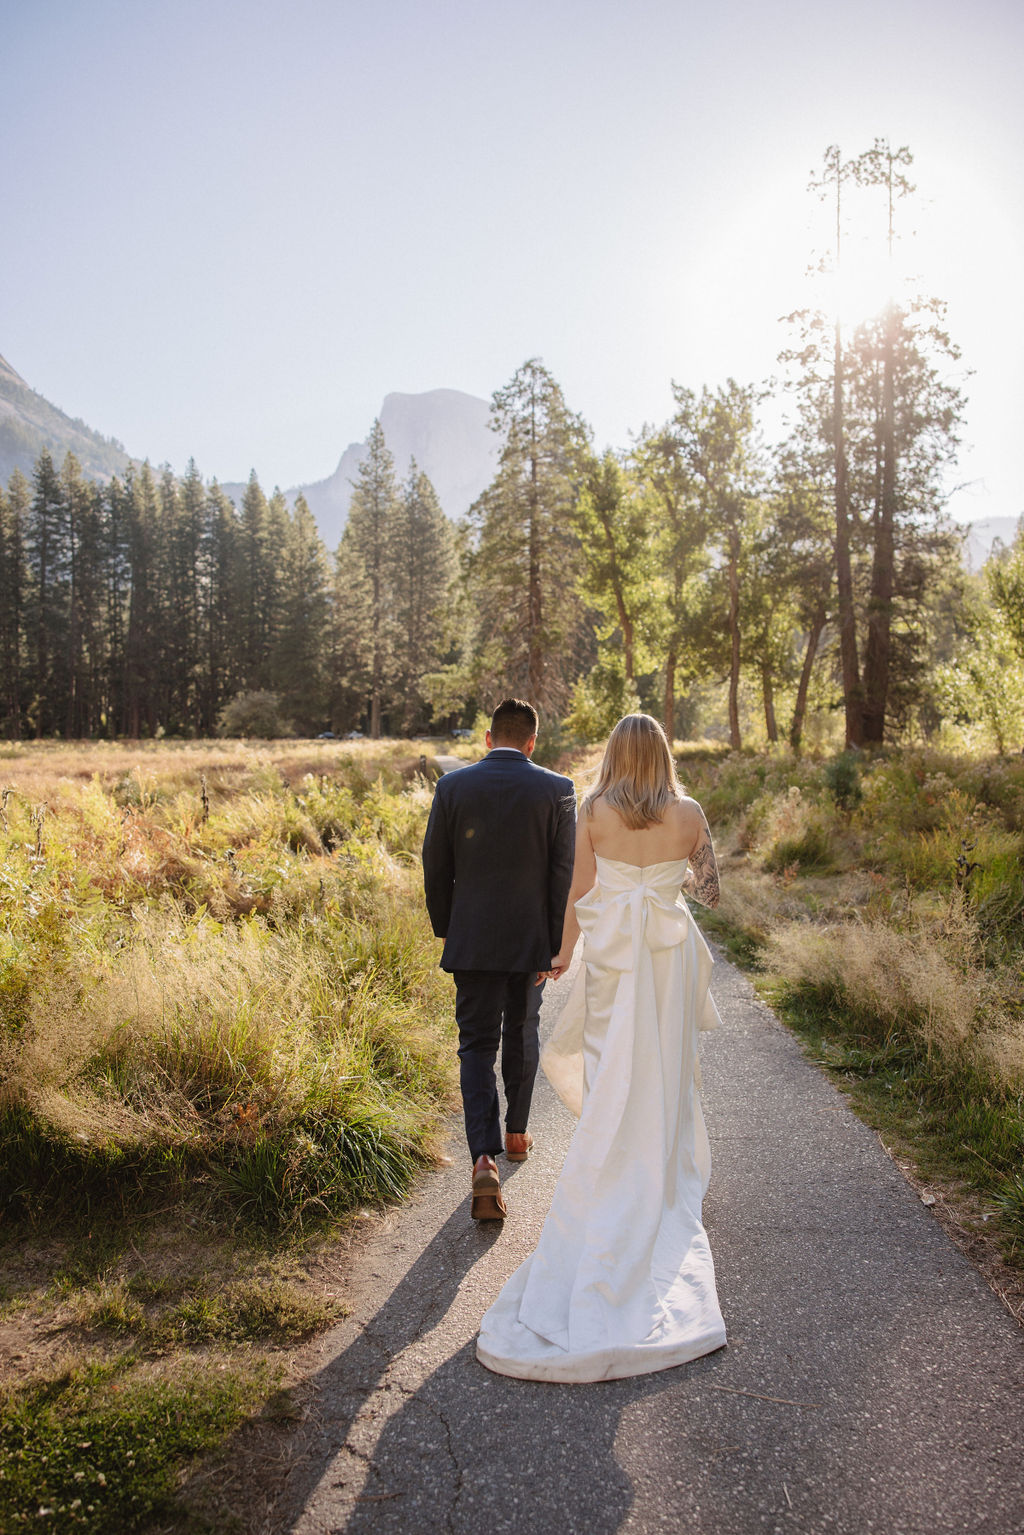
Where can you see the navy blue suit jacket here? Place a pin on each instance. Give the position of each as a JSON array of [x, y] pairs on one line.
[[497, 863]]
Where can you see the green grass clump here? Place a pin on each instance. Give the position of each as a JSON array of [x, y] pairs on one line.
[[94, 1449], [158, 1317]]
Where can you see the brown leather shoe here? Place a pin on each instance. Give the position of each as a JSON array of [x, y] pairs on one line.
[[517, 1146], [487, 1204]]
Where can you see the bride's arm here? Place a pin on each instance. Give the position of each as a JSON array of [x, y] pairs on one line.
[[701, 879], [584, 873]]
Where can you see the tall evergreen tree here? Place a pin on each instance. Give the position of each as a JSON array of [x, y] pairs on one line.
[[48, 592], [14, 508], [365, 575], [218, 650], [422, 564], [86, 652], [143, 628], [254, 588], [526, 555], [879, 402], [298, 662]]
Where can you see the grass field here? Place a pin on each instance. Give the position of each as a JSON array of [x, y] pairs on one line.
[[880, 902], [222, 1033], [224, 1038]]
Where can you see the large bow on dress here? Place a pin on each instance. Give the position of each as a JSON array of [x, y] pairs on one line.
[[631, 914]]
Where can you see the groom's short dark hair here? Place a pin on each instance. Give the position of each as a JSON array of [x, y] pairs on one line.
[[514, 721]]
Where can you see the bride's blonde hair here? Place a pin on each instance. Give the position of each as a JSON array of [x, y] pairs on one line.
[[637, 776]]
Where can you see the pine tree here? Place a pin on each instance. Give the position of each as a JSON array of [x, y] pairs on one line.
[[526, 557], [218, 649], [365, 577], [878, 404], [14, 508], [141, 648], [299, 653], [254, 588], [84, 667], [47, 552], [422, 567]]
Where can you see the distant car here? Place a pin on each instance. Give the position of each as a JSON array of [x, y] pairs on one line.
[[460, 734], [327, 735], [354, 735]]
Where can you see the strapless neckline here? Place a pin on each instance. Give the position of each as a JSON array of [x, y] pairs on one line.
[[641, 868]]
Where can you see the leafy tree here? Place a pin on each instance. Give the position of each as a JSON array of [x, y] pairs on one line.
[[799, 566], [613, 517], [1004, 574], [703, 468], [879, 423], [679, 547]]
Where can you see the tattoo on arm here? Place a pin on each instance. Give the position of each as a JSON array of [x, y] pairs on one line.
[[702, 876]]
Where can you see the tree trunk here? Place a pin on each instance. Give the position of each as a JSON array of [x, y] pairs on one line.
[[535, 650], [735, 738], [625, 622], [72, 725], [768, 693], [878, 650], [669, 704], [796, 728], [853, 697]]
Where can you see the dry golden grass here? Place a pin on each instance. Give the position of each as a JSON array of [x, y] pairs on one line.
[[214, 959]]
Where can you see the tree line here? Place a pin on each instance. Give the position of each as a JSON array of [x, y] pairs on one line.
[[816, 574], [151, 605]]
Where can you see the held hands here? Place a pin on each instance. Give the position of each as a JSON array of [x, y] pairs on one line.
[[559, 965]]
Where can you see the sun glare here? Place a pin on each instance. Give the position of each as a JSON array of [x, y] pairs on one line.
[[860, 289]]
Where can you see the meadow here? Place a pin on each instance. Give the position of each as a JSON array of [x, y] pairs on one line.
[[223, 1037], [879, 901], [224, 1042]]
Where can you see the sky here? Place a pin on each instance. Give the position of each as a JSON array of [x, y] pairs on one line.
[[230, 227]]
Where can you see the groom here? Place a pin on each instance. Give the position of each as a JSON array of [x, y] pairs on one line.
[[497, 863]]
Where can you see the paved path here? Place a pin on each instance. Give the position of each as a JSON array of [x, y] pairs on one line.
[[871, 1382]]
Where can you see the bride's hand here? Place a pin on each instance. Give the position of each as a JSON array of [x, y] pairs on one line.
[[559, 965]]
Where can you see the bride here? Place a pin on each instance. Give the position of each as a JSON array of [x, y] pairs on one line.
[[622, 1282]]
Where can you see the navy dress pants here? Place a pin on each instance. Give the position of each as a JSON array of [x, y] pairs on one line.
[[496, 1008]]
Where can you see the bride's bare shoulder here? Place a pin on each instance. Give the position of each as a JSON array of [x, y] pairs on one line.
[[687, 812], [600, 813]]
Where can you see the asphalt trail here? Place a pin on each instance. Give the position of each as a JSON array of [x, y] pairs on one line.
[[872, 1382]]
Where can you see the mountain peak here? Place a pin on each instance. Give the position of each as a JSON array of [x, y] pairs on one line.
[[446, 431], [29, 423]]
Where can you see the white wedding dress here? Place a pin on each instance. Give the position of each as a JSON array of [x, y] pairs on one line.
[[622, 1282]]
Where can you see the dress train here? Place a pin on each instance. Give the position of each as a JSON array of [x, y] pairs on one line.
[[622, 1281]]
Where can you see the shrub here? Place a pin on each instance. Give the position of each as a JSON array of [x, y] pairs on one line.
[[842, 776], [254, 714]]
